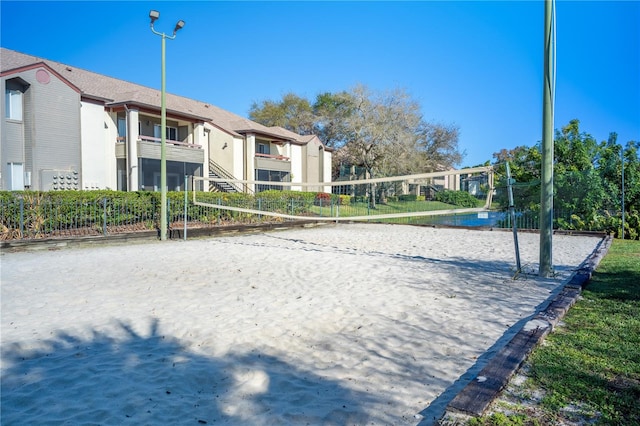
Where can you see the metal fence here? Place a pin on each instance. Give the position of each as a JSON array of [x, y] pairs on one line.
[[42, 218], [33, 219]]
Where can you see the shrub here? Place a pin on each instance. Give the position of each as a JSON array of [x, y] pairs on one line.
[[457, 198], [322, 199], [345, 200]]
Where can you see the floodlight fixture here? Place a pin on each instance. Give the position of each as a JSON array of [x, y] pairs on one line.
[[154, 15], [179, 26]]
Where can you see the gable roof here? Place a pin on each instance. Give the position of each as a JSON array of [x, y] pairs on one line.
[[117, 92]]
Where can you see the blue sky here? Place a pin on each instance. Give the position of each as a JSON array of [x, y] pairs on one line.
[[477, 65]]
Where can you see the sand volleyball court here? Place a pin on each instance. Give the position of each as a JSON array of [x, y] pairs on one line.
[[349, 324]]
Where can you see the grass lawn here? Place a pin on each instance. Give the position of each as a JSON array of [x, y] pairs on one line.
[[588, 370], [363, 209]]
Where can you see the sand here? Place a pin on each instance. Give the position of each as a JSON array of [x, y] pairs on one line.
[[334, 325]]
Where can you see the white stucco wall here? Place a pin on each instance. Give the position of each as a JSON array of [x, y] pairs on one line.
[[110, 136], [296, 166], [327, 171], [98, 161], [249, 159]]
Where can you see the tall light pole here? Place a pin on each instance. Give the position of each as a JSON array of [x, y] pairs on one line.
[[154, 15], [622, 162], [546, 175]]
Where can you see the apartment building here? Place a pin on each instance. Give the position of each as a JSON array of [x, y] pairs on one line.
[[67, 128]]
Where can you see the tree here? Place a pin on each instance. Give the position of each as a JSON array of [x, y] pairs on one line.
[[332, 112], [438, 146], [587, 181], [632, 176], [383, 132], [578, 185], [609, 163], [292, 113], [383, 128], [525, 165]]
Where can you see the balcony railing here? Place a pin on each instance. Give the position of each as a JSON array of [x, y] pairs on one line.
[[168, 141], [273, 157], [122, 139]]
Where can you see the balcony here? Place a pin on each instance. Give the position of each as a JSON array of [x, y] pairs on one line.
[[272, 162], [168, 142], [149, 147]]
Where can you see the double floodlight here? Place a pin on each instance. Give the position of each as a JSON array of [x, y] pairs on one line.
[[154, 15]]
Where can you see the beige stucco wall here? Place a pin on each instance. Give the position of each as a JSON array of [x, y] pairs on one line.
[[226, 150], [238, 158], [237, 155]]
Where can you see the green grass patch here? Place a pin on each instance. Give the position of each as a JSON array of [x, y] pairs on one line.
[[363, 209], [500, 419], [593, 360], [595, 357]]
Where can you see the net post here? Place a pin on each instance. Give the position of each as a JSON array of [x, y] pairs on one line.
[[512, 213]]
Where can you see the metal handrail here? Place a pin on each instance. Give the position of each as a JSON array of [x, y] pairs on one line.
[[222, 173]]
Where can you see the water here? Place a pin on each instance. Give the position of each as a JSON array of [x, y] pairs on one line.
[[486, 219]]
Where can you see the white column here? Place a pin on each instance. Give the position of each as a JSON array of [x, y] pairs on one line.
[[250, 159], [199, 138], [132, 149], [327, 167]]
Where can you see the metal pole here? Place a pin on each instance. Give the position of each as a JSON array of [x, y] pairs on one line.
[[512, 212], [622, 159], [546, 192], [21, 217], [154, 15], [163, 147], [185, 207], [104, 216]]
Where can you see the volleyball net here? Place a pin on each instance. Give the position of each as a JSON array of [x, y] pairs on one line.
[[351, 198]]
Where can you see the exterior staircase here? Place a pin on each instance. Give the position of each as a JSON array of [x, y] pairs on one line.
[[216, 171]]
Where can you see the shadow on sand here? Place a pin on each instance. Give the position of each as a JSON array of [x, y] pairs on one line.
[[155, 379]]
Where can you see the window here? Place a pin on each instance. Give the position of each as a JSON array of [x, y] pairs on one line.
[[122, 127], [262, 148], [173, 181], [121, 165], [13, 104], [271, 176], [171, 133]]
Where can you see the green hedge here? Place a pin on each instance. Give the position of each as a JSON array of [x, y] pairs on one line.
[[81, 212], [410, 197], [457, 198], [604, 221]]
